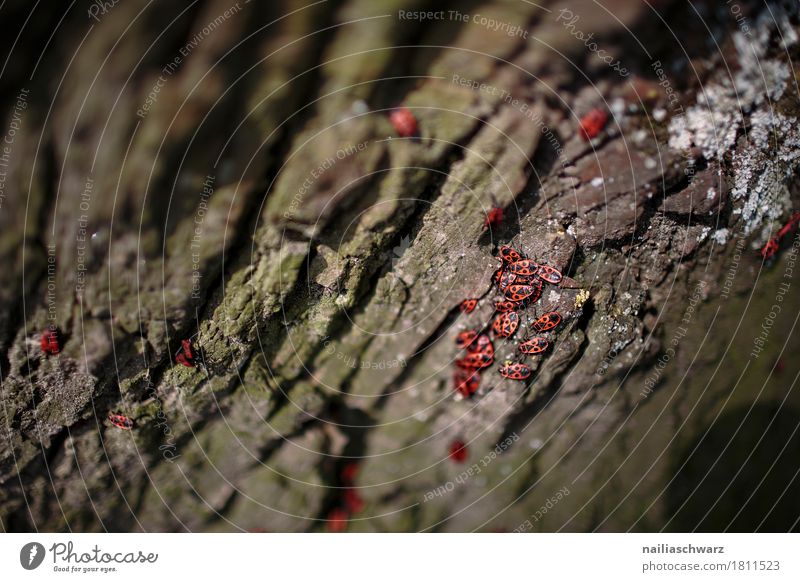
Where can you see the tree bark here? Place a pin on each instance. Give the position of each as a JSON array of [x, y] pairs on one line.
[[227, 173]]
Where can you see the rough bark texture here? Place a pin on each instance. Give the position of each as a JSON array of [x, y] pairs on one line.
[[232, 176]]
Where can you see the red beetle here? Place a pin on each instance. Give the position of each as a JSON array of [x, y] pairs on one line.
[[547, 322], [593, 123], [524, 267], [493, 218], [349, 473], [466, 382], [510, 255], [465, 338], [773, 244], [537, 285], [50, 341], [519, 292], [120, 421], [185, 354], [506, 324], [506, 279], [536, 345], [352, 500], [337, 520], [475, 360], [483, 345], [515, 371], [503, 306], [770, 248], [550, 274], [790, 224], [468, 305], [458, 451], [404, 122]]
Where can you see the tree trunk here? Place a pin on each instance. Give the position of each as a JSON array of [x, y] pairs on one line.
[[227, 173]]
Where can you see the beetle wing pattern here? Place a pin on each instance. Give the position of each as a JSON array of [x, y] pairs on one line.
[[517, 292], [120, 421], [510, 255], [525, 267], [466, 382], [547, 321], [514, 371], [536, 345], [506, 324], [550, 274], [503, 306]]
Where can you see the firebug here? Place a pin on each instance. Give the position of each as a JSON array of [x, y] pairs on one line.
[[185, 355], [337, 520], [493, 218], [50, 341], [404, 122], [510, 255], [506, 324], [524, 267], [349, 473], [550, 274], [506, 279], [503, 306], [458, 451], [514, 371], [468, 305], [593, 123], [475, 360], [518, 292], [120, 421], [465, 338], [547, 321], [352, 500], [483, 345], [536, 345], [466, 382]]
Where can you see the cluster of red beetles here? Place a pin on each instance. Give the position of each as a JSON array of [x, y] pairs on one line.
[[520, 280]]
